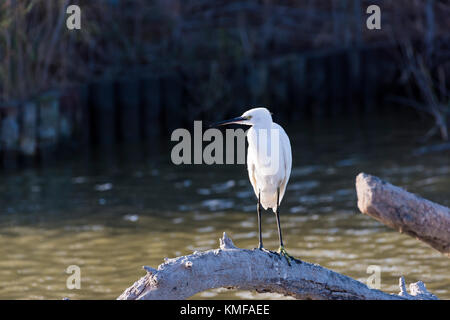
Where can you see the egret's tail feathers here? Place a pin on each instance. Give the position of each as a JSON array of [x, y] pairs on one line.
[[269, 199]]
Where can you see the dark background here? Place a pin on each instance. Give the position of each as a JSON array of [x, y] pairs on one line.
[[139, 69]]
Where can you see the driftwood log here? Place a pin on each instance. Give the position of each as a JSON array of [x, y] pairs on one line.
[[404, 211], [263, 271]]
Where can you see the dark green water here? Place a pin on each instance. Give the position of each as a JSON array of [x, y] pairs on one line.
[[112, 215]]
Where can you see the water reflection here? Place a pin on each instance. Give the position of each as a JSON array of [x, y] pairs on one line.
[[111, 219]]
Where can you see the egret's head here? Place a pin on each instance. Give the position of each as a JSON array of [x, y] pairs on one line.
[[256, 116]]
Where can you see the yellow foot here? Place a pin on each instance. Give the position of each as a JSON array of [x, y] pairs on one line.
[[282, 252]]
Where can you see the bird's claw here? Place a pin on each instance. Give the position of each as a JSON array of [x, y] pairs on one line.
[[262, 249], [282, 252]]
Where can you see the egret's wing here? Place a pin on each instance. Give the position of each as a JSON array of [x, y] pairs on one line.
[[251, 171], [287, 160]]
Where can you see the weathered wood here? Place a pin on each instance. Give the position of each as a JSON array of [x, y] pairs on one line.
[[151, 107], [338, 82], [257, 82], [404, 211], [279, 88], [9, 137], [263, 271], [104, 113], [299, 79], [28, 138], [353, 82], [84, 115], [49, 109], [369, 79], [174, 110], [128, 107], [70, 102], [318, 89], [48, 125], [240, 86]]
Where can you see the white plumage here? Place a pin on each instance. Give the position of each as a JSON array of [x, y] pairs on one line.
[[269, 162], [260, 163]]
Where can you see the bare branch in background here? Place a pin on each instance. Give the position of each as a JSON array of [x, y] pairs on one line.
[[38, 53], [434, 98], [404, 211]]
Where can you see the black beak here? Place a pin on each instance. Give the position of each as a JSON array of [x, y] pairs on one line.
[[224, 122]]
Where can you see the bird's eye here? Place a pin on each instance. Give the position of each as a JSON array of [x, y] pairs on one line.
[[248, 117]]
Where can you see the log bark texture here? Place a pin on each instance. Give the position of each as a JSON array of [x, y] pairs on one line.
[[263, 271], [404, 211]]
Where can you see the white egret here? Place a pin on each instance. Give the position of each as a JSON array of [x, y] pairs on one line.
[[269, 162]]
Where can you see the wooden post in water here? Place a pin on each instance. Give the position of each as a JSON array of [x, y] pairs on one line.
[[368, 79], [83, 116], [151, 107], [9, 135], [279, 89], [317, 85], [257, 81], [241, 92], [83, 136], [128, 98], [48, 125], [29, 130], [173, 101], [354, 80], [69, 103], [338, 82], [298, 86], [104, 113]]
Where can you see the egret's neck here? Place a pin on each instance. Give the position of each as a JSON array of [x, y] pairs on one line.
[[263, 125], [260, 130]]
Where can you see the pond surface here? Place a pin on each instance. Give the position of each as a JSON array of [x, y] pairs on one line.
[[110, 215]]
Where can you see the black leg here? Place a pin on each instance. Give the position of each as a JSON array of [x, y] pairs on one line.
[[278, 218], [282, 250], [258, 209]]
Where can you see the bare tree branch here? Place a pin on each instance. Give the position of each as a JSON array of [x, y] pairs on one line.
[[263, 271], [404, 211]]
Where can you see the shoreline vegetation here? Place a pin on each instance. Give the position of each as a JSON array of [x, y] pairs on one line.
[[167, 63]]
